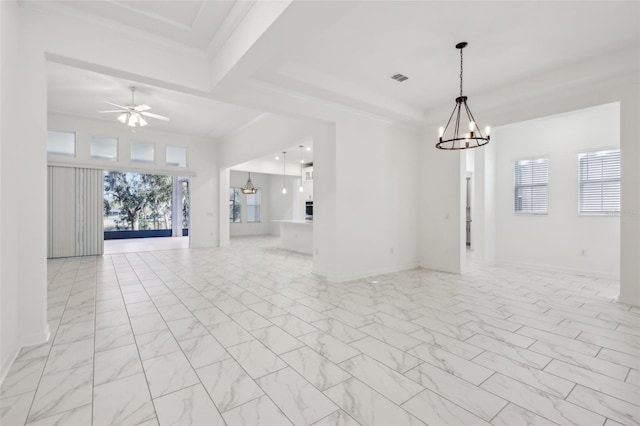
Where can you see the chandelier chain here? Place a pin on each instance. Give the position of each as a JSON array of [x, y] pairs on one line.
[[460, 72]]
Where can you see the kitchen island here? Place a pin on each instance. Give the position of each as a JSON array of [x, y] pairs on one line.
[[296, 235]]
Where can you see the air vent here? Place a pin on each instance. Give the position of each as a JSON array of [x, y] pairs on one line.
[[399, 77]]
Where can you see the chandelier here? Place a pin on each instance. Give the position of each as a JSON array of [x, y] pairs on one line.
[[248, 187], [456, 139]]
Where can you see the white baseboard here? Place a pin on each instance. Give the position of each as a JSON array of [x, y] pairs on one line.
[[628, 301], [550, 268], [6, 366], [36, 338], [364, 274], [28, 340]]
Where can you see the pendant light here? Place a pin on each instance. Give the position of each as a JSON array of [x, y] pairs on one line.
[[457, 139], [301, 188], [248, 187], [284, 171]]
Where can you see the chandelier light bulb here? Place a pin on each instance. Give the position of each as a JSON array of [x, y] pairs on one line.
[[472, 126], [441, 132], [487, 130]]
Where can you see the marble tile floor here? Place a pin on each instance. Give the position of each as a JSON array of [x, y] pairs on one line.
[[246, 335]]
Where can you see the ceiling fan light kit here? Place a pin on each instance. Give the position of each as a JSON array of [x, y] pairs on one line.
[[132, 115], [457, 140]]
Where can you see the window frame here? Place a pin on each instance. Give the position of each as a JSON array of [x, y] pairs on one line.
[[104, 157], [516, 186], [581, 182], [137, 142], [168, 148], [59, 153]]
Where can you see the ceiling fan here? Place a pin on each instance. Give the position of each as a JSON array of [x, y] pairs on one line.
[[132, 115]]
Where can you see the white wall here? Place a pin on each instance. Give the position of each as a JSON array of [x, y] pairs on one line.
[[630, 219], [9, 155], [442, 193], [201, 165], [376, 197], [483, 225], [24, 272], [559, 239], [365, 188]]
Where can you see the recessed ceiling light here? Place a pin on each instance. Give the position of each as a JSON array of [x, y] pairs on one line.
[[302, 161], [308, 148], [277, 158]]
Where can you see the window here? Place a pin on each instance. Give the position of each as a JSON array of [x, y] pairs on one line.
[[599, 181], [104, 148], [235, 200], [61, 143], [253, 207], [531, 186], [143, 152], [176, 156], [136, 202]]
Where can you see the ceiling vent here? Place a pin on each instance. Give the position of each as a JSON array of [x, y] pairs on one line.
[[399, 77]]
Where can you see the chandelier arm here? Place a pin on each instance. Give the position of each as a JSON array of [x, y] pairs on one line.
[[449, 121], [472, 119], [456, 134]]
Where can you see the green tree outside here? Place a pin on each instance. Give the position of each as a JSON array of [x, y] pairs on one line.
[[137, 201]]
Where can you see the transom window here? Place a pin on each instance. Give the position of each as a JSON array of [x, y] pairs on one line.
[[599, 182], [531, 186]]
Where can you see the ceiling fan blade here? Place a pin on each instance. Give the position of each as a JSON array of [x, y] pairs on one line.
[[115, 110], [142, 107], [119, 106], [152, 115]]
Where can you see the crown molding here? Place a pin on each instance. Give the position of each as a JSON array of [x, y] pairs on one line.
[[231, 22], [54, 8]]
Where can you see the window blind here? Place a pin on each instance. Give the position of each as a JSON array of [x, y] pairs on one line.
[[531, 186], [253, 206], [599, 182]]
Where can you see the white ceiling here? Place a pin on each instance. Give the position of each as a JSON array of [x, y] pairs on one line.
[[346, 52], [192, 22], [270, 165], [83, 93], [508, 42]]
